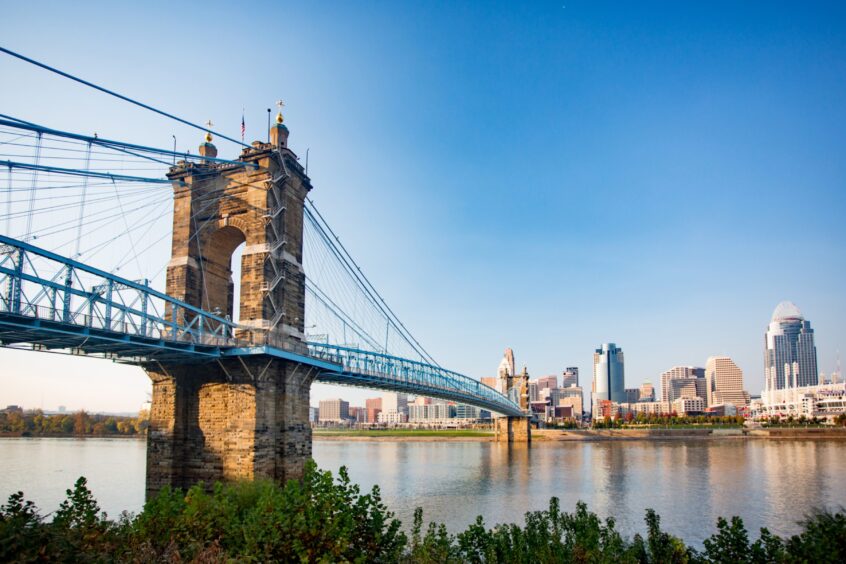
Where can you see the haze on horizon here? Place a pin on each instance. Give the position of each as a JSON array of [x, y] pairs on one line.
[[542, 177]]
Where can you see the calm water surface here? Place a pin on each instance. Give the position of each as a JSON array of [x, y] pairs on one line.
[[689, 483]]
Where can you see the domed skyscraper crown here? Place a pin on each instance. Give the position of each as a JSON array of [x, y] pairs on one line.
[[786, 310]]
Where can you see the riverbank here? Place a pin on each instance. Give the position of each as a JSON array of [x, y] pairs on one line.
[[688, 433], [29, 435], [421, 435], [562, 435]]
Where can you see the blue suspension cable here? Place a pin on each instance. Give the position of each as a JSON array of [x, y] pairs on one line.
[[34, 170], [10, 121], [116, 95], [78, 172], [82, 203], [9, 203]]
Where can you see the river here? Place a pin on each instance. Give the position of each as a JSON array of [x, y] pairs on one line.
[[770, 483]]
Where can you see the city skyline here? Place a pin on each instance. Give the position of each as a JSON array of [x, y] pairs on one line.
[[609, 158], [785, 311]]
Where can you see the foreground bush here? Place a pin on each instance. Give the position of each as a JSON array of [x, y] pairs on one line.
[[320, 519]]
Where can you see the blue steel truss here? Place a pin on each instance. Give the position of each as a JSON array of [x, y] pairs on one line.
[[59, 303], [369, 369], [55, 303]]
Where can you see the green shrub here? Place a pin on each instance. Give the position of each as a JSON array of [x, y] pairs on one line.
[[321, 519]]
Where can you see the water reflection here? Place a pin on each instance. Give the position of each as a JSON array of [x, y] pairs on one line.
[[689, 483]]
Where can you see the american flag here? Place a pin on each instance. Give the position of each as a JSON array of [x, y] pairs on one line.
[[243, 127]]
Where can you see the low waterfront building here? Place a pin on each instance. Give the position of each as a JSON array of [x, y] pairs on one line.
[[606, 408], [560, 413], [823, 401], [689, 406], [648, 407], [721, 410], [392, 417], [425, 412], [470, 412]]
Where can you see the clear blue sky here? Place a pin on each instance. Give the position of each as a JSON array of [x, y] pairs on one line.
[[546, 177]]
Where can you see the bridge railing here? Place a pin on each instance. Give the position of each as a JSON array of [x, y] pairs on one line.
[[414, 376], [37, 285]]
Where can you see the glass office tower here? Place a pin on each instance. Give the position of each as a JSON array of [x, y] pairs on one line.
[[790, 357], [608, 374]]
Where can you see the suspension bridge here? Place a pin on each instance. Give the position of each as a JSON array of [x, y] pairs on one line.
[[219, 277]]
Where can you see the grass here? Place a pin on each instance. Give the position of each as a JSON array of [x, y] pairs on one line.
[[404, 432]]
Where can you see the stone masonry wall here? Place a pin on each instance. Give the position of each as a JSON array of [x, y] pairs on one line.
[[228, 421]]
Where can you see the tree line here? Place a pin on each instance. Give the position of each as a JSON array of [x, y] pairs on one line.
[[666, 420], [323, 519], [81, 423]]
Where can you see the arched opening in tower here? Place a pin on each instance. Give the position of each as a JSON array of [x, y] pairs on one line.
[[219, 286], [235, 267]]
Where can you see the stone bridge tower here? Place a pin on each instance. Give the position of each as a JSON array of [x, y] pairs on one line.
[[515, 429], [247, 416]]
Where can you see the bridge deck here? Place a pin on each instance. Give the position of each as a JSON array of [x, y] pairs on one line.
[[52, 303]]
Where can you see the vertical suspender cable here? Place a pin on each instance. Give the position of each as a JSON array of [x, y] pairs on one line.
[[128, 230], [9, 205], [82, 202], [31, 210]]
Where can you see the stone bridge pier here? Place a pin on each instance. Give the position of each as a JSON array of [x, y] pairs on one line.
[[513, 429], [229, 421]]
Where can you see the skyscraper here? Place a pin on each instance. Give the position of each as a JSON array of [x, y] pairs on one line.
[[647, 391], [505, 372], [669, 393], [374, 408], [393, 402], [790, 357], [608, 374], [724, 382], [547, 382], [491, 382], [571, 377], [506, 365], [335, 410]]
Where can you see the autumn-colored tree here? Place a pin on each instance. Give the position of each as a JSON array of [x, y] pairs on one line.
[[80, 423]]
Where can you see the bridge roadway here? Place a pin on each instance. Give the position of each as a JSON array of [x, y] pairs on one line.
[[54, 303]]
